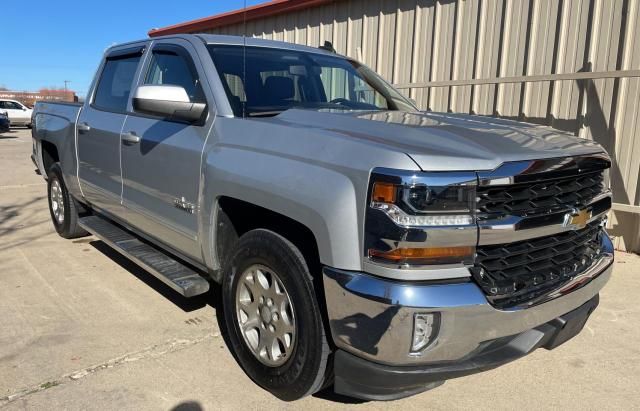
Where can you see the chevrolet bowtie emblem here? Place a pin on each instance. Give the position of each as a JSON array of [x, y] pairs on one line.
[[578, 218]]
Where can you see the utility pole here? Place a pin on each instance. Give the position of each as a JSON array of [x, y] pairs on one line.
[[66, 89]]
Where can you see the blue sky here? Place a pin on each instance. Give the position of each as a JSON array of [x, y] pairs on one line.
[[45, 42]]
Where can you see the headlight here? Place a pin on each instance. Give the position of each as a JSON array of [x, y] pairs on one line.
[[421, 218], [417, 204]]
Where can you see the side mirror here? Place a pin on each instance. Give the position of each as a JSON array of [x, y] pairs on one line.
[[167, 101]]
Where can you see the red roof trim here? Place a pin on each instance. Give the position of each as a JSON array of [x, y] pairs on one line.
[[238, 16]]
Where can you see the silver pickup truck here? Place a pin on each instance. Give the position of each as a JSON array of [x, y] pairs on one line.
[[357, 242]]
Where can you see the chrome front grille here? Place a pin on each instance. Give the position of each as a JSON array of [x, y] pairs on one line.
[[540, 226], [537, 198], [514, 273]]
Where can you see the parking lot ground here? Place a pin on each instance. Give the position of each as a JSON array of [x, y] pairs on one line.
[[83, 328]]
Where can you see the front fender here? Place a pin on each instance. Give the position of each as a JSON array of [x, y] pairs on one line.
[[322, 199]]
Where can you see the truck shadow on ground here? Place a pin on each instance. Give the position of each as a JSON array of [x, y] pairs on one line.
[[185, 304], [212, 298]]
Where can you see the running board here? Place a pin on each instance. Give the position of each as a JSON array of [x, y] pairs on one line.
[[176, 275]]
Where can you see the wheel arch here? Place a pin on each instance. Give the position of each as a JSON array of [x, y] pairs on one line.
[[234, 217], [50, 155]]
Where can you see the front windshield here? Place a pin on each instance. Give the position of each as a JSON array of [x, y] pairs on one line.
[[274, 80]]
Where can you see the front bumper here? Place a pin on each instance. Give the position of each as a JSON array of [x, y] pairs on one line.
[[364, 379], [372, 319]]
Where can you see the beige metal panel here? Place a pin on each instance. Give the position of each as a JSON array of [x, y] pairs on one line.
[[603, 54], [355, 16], [340, 25], [512, 57], [445, 13], [570, 59], [326, 23], [387, 39], [464, 52], [313, 27], [370, 32], [540, 58], [279, 27], [422, 50], [289, 28], [302, 19], [404, 37], [487, 55]]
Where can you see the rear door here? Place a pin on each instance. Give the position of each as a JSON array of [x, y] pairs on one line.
[[100, 125], [161, 173]]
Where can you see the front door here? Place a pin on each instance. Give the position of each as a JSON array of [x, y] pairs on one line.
[[161, 172], [99, 128]]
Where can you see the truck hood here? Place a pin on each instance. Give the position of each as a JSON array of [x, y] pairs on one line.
[[438, 142]]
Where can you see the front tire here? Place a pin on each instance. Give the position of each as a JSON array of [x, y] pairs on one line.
[[272, 317], [62, 207]]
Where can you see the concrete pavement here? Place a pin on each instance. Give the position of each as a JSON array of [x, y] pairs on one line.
[[83, 328]]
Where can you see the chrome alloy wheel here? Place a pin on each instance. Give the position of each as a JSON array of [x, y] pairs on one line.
[[57, 201], [265, 315]]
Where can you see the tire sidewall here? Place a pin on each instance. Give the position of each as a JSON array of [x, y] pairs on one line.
[[295, 378], [56, 174]]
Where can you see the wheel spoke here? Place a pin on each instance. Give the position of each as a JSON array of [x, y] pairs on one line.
[[254, 293], [266, 345], [251, 323]]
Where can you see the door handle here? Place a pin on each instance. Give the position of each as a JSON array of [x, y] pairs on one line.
[[83, 128], [130, 138]]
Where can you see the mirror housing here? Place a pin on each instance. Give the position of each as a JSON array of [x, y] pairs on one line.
[[167, 101]]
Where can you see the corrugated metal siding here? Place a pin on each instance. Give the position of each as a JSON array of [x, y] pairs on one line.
[[418, 41]]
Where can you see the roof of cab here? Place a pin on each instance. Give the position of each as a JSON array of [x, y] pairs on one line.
[[257, 42], [232, 40]]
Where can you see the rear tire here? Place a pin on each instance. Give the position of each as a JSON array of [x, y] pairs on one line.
[[261, 262], [62, 207]]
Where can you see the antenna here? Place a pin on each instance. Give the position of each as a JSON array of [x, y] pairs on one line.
[[244, 58]]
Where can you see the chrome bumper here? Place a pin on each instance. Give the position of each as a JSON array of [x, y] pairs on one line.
[[373, 317]]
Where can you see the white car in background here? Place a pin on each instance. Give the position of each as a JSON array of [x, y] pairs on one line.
[[19, 114]]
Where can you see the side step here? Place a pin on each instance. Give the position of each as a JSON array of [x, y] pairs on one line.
[[175, 274]]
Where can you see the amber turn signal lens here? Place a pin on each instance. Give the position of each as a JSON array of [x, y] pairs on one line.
[[431, 255], [384, 193]]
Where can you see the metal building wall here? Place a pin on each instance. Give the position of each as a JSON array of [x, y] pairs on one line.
[[421, 44]]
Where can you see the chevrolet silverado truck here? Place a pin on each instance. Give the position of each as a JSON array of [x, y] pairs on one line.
[[356, 242]]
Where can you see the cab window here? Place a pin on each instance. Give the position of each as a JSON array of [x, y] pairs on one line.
[[173, 66], [116, 81]]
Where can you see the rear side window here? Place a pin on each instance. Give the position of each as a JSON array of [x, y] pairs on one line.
[[114, 86], [177, 69]]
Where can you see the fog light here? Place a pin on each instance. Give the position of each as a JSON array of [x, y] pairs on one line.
[[425, 331]]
